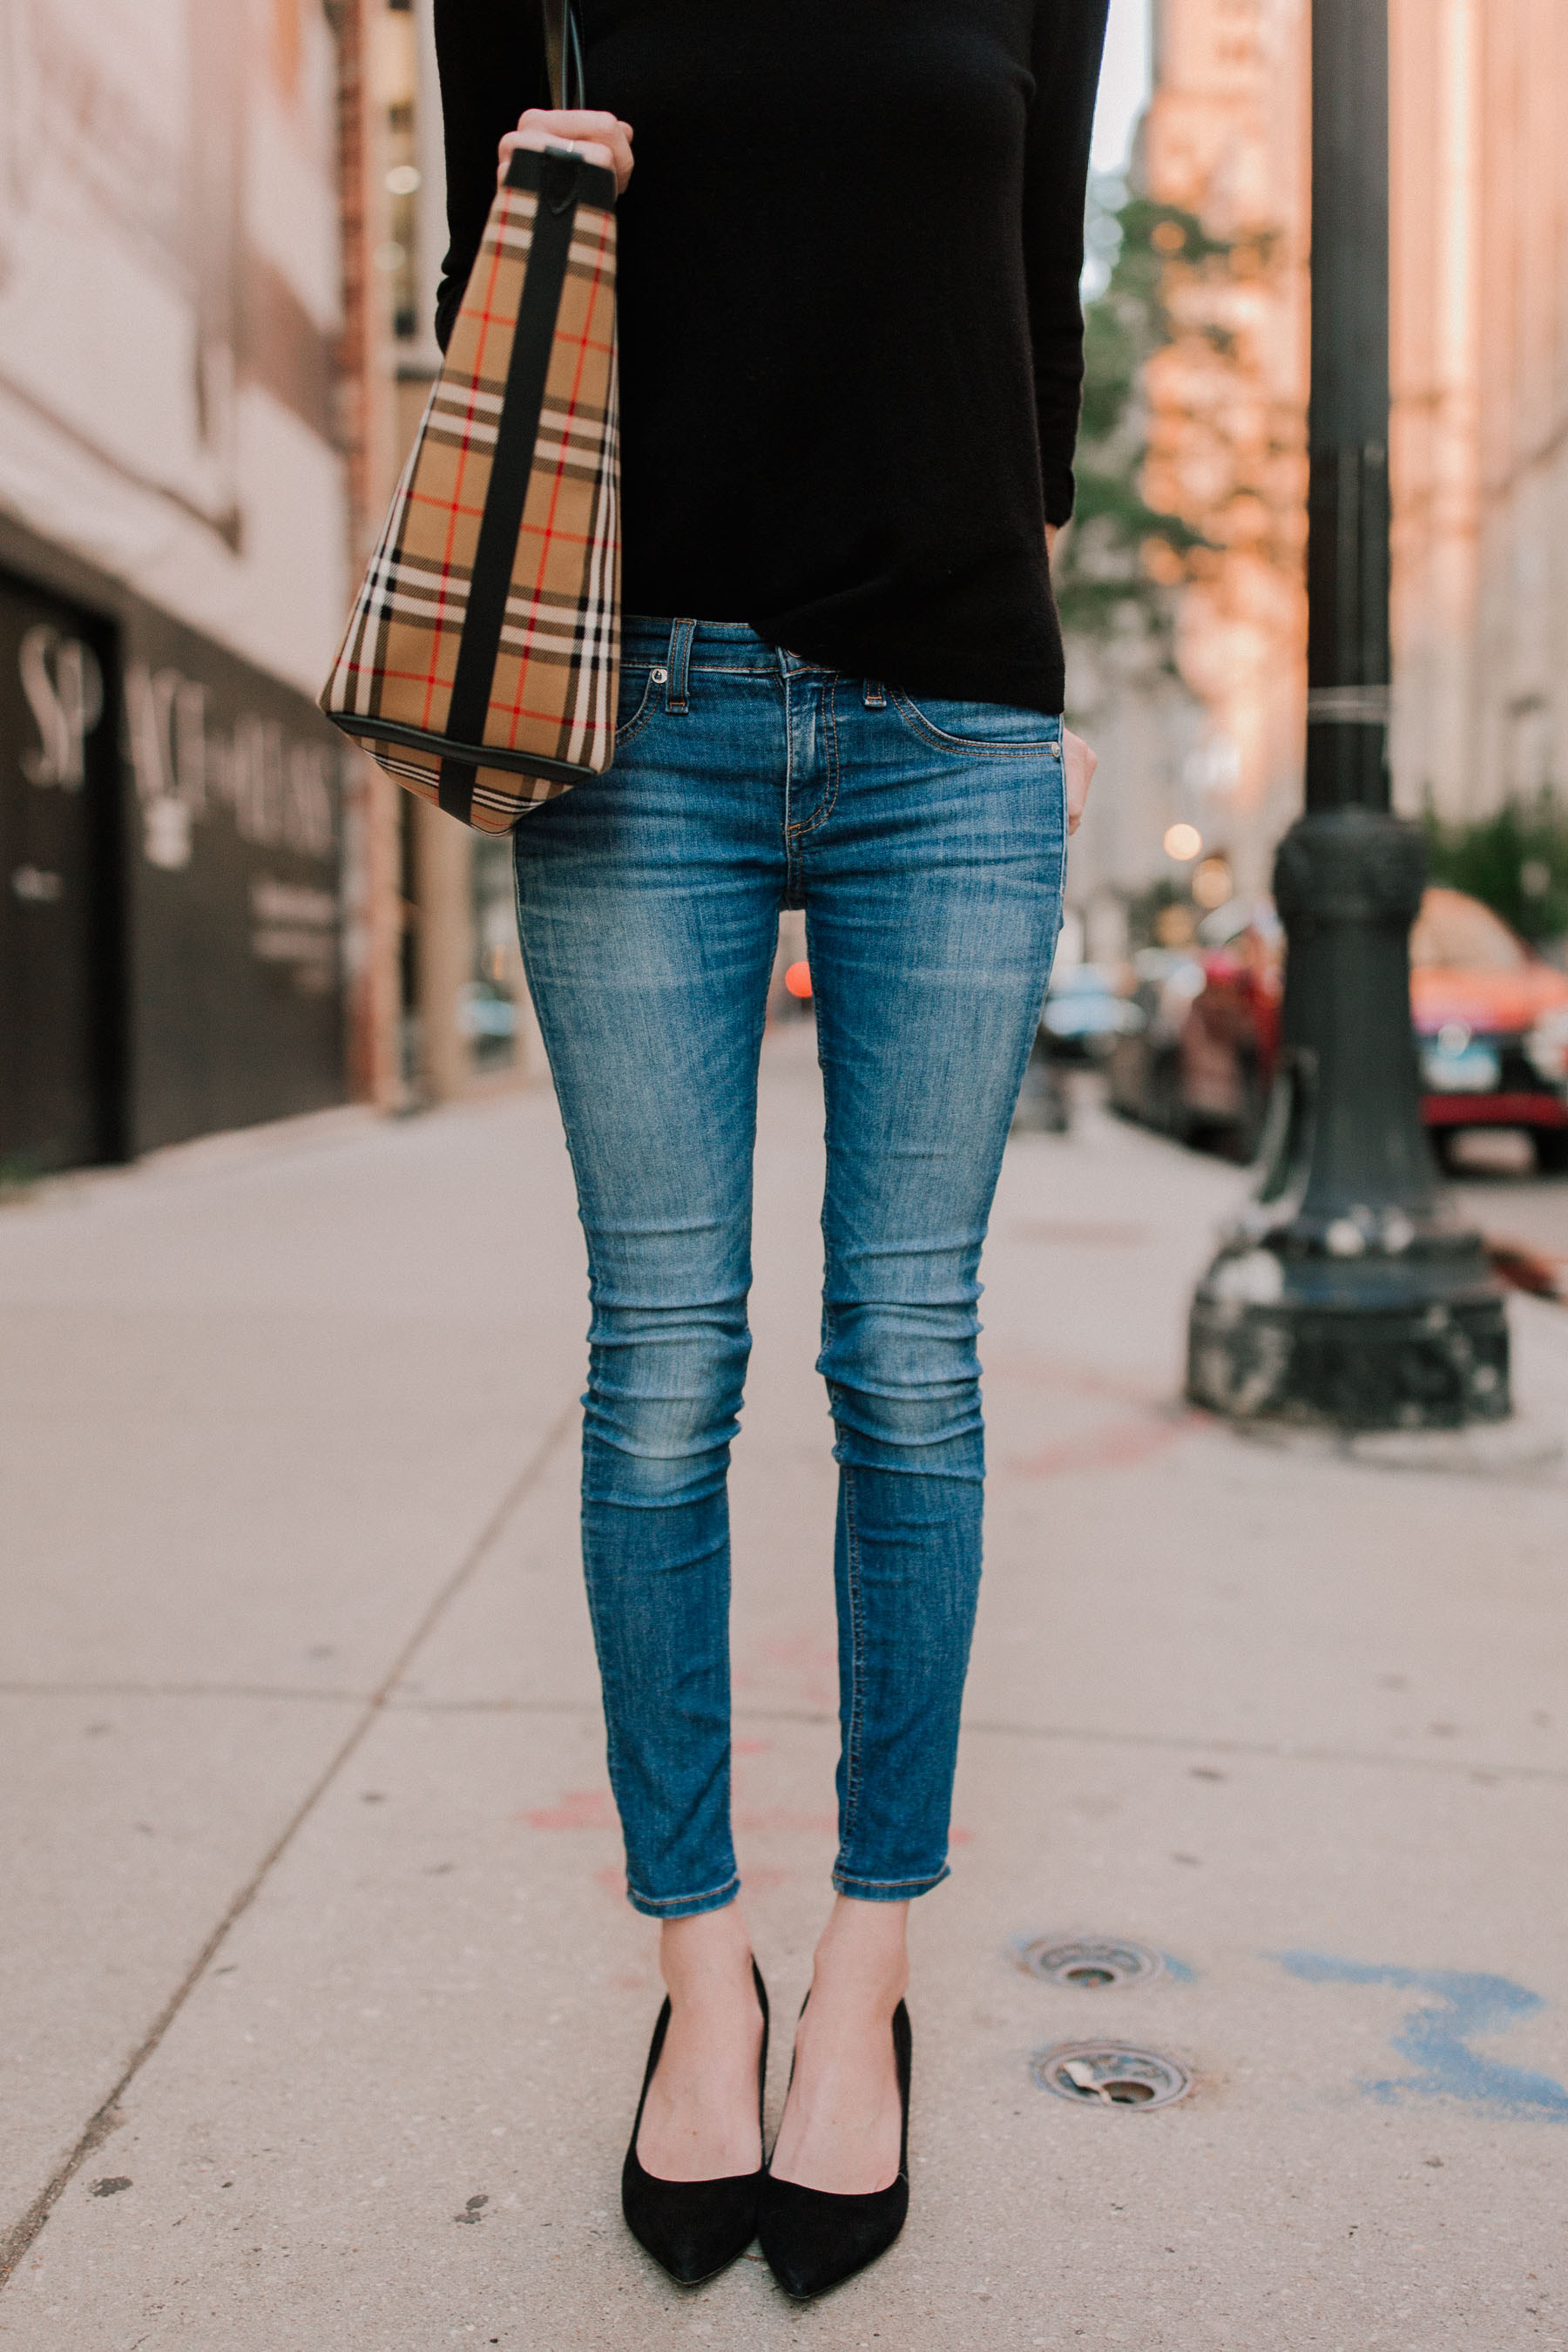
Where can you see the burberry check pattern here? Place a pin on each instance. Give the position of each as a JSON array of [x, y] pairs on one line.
[[551, 710]]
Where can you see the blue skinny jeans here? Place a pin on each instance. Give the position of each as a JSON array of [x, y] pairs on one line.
[[926, 844]]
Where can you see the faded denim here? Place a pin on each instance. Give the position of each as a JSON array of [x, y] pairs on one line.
[[926, 843]]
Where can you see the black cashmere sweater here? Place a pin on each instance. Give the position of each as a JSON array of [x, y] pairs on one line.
[[852, 343]]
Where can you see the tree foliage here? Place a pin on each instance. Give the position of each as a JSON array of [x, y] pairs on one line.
[[1516, 862], [1122, 561]]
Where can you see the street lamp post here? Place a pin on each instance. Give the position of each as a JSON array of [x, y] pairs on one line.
[[1348, 1295]]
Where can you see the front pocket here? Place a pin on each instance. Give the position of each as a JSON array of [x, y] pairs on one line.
[[639, 710], [981, 731]]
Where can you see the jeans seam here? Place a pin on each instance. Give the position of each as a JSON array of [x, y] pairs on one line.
[[857, 1664], [702, 1895], [638, 720], [845, 1878], [612, 1756], [830, 736], [793, 876], [961, 748], [545, 1026]]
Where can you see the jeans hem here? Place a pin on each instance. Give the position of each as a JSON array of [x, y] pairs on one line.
[[888, 1890], [684, 1906]]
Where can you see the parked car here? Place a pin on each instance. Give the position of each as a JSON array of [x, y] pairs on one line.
[[1085, 1012], [1492, 1019], [1085, 1009], [1490, 1015], [1202, 1076]]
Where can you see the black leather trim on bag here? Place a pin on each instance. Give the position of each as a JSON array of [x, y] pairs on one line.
[[369, 731], [557, 176]]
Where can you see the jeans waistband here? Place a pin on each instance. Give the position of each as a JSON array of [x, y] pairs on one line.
[[708, 645]]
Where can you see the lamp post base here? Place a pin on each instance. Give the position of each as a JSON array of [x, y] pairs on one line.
[[1349, 1296], [1434, 1366]]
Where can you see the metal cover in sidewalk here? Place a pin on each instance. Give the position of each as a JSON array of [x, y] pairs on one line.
[[1090, 1963], [1111, 2074]]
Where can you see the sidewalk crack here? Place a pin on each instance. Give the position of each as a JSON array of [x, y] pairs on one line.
[[107, 2117]]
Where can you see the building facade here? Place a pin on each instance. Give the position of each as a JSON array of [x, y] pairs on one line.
[[1479, 431], [1480, 445], [1225, 146], [220, 230], [172, 560]]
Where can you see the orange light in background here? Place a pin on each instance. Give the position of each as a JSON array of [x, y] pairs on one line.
[[1183, 841], [798, 980], [1212, 884], [1176, 927], [1162, 562]]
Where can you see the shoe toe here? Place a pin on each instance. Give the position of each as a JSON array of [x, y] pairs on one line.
[[693, 2228], [814, 2242]]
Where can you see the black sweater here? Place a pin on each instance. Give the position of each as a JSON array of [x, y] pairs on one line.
[[851, 344]]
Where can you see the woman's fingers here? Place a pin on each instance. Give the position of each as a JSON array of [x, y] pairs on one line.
[[592, 151], [1080, 763], [577, 126], [602, 139]]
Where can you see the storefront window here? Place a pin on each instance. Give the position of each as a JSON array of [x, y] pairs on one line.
[[397, 78], [490, 1015]]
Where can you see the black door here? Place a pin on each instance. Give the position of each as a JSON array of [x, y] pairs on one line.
[[59, 899]]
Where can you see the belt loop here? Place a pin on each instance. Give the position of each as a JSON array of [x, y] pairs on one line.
[[678, 687], [876, 695]]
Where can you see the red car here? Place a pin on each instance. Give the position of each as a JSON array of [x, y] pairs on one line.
[[1491, 1021]]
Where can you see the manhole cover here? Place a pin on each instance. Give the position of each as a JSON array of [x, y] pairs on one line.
[[1108, 2074], [1090, 1963]]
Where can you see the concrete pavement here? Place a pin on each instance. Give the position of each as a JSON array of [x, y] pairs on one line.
[[313, 1858]]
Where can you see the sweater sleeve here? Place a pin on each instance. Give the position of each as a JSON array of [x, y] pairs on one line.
[[1069, 37], [491, 58]]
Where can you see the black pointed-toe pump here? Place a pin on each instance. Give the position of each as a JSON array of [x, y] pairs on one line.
[[815, 2240], [695, 2228]]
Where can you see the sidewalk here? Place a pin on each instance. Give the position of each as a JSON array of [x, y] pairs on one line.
[[309, 1826]]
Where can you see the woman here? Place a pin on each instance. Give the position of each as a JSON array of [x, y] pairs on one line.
[[851, 352]]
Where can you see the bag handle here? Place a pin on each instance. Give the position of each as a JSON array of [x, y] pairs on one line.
[[563, 53]]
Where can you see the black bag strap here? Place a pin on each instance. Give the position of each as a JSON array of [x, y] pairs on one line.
[[563, 53]]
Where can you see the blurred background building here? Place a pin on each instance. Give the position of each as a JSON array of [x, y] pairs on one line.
[[220, 225], [1481, 401], [172, 559], [1191, 669]]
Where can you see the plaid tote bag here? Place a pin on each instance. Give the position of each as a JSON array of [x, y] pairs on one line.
[[480, 664]]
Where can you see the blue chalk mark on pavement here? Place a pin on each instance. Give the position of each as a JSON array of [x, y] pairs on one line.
[[1437, 2037]]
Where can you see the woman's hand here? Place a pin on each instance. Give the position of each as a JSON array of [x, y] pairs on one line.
[[1080, 763], [601, 137]]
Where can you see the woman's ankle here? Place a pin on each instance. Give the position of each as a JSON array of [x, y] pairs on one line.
[[707, 1957], [862, 1955]]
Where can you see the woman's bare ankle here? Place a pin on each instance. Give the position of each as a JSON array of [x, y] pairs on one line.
[[862, 1955], [700, 2121], [841, 2123], [708, 1958]]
